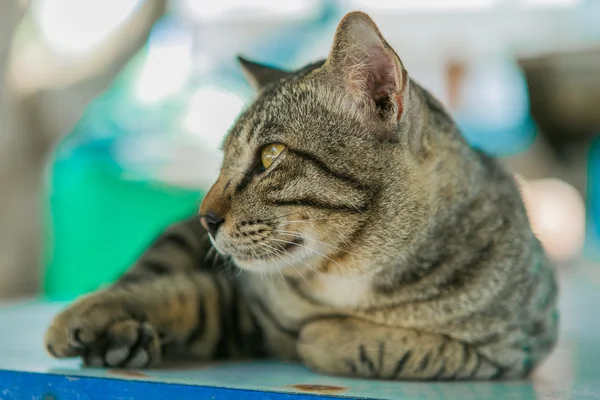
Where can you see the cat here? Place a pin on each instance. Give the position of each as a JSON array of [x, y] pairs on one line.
[[371, 241]]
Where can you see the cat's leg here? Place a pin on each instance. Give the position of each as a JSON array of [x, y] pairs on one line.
[[352, 347], [200, 313], [169, 298]]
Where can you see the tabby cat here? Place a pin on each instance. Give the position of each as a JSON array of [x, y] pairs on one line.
[[368, 239]]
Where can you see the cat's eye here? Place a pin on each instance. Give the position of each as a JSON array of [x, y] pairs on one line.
[[270, 153]]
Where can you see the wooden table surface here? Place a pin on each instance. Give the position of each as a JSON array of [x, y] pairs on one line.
[[26, 372]]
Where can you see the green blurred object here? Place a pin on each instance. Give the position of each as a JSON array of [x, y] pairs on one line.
[[100, 216], [99, 221]]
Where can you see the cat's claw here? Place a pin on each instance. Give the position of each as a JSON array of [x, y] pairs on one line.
[[129, 344], [103, 336]]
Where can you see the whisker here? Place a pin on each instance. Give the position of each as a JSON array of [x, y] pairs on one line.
[[282, 277], [209, 253], [281, 250], [204, 238], [240, 271], [254, 253], [357, 209], [307, 220], [286, 223], [215, 260], [277, 217], [290, 264], [308, 248], [230, 266], [270, 276], [296, 234], [278, 269], [312, 219]]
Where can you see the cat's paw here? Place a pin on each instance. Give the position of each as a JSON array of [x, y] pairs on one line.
[[105, 333]]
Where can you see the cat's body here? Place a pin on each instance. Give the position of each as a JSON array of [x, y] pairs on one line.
[[374, 241]]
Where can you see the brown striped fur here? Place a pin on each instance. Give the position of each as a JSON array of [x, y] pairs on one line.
[[378, 244]]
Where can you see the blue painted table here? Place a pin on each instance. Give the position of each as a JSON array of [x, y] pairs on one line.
[[26, 372]]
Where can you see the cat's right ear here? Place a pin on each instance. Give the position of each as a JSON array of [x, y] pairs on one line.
[[260, 75], [368, 68]]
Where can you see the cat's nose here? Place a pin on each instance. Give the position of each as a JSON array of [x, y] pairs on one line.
[[211, 221]]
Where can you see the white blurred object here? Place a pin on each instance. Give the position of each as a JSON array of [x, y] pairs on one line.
[[167, 66], [494, 96], [249, 9], [177, 161], [557, 214], [550, 3], [75, 26], [35, 114], [210, 114], [424, 5], [429, 34], [458, 5]]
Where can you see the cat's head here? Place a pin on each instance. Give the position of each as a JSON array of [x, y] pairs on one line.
[[327, 169]]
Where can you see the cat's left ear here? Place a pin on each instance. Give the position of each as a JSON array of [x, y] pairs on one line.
[[370, 70], [260, 75]]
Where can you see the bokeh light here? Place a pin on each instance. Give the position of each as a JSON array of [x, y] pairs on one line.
[[557, 214], [167, 66], [210, 113], [75, 26]]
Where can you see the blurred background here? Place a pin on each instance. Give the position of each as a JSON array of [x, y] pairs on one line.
[[112, 112]]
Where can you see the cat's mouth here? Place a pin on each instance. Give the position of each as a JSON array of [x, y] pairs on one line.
[[276, 253], [268, 251]]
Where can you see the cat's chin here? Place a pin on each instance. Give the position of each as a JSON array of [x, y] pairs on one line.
[[296, 261], [261, 264]]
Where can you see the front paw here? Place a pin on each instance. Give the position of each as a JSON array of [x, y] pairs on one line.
[[104, 331], [320, 339]]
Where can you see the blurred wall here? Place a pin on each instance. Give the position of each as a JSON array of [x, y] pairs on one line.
[[115, 103]]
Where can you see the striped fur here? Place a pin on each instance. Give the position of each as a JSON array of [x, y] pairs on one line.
[[378, 244]]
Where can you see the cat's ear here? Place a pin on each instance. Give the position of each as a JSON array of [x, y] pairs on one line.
[[260, 75], [369, 68]]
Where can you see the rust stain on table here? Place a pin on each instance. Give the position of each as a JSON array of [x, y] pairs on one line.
[[125, 372], [305, 387]]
